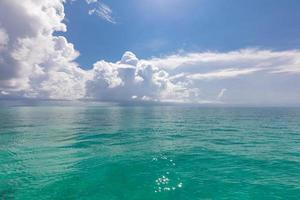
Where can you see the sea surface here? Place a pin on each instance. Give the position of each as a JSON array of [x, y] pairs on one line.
[[116, 152]]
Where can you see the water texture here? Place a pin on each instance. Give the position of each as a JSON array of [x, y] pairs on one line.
[[151, 152]]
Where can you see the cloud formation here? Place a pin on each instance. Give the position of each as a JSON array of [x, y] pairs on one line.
[[221, 94], [222, 74], [101, 10], [286, 61], [35, 63], [27, 41]]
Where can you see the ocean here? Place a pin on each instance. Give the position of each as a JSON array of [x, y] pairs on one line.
[[114, 152]]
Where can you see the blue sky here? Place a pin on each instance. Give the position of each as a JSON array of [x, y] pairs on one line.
[[152, 28]]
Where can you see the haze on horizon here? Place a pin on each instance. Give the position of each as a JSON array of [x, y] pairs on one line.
[[199, 52]]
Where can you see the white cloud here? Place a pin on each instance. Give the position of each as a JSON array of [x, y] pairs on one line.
[[101, 10], [91, 1], [130, 79], [221, 94], [31, 39], [245, 58], [37, 64], [223, 74]]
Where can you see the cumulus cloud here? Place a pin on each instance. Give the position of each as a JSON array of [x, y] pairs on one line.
[[132, 79], [36, 63], [29, 38], [33, 57]]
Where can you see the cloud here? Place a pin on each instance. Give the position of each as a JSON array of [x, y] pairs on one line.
[[288, 61], [36, 63], [91, 1], [223, 74], [132, 79], [221, 94], [101, 10], [28, 41]]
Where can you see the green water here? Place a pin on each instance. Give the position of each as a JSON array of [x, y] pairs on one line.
[[154, 152]]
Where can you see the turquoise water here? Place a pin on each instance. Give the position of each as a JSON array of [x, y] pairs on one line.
[[154, 152]]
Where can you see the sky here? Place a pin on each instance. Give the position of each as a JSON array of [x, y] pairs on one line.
[[152, 28], [183, 51]]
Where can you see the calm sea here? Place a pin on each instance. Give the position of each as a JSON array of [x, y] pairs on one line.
[[152, 152]]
